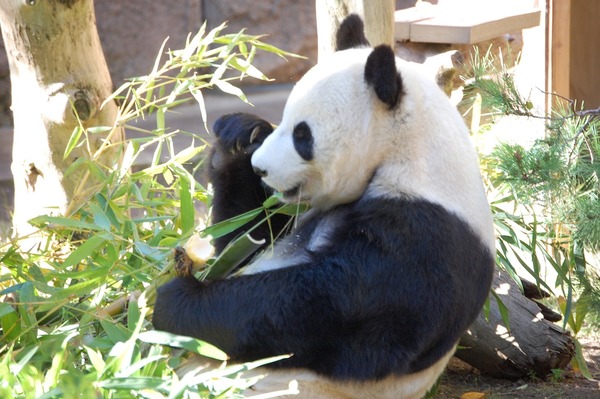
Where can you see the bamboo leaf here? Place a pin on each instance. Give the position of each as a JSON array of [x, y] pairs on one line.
[[580, 361], [186, 195], [292, 209], [160, 119], [197, 94], [6, 308], [184, 156], [100, 217], [179, 341], [73, 141], [218, 74], [247, 68], [232, 256], [11, 327], [24, 359], [568, 306], [581, 310], [159, 56], [116, 332], [135, 383], [99, 129], [86, 249], [148, 251], [125, 86], [52, 375], [228, 88], [64, 222], [273, 200], [192, 46], [95, 359], [504, 313], [133, 315], [27, 299], [180, 88], [229, 225]]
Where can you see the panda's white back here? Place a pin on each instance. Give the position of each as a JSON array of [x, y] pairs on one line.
[[434, 156]]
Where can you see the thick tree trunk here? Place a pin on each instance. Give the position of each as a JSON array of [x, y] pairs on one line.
[[377, 14], [56, 66], [530, 344]]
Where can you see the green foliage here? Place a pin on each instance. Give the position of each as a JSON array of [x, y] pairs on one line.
[[498, 90], [76, 307], [559, 172], [548, 214]]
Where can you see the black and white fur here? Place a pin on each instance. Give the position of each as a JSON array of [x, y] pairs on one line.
[[373, 288]]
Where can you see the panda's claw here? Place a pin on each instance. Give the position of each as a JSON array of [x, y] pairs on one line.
[[238, 131], [239, 147], [254, 134]]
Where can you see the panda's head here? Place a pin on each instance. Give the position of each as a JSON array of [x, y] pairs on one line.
[[365, 123], [324, 151]]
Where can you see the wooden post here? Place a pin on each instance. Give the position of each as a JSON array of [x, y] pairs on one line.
[[378, 16], [56, 66], [559, 47]]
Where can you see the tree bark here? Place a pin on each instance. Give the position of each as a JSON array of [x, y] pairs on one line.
[[56, 66], [378, 16], [529, 345]]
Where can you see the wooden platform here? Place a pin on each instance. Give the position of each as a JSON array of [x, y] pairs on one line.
[[433, 24]]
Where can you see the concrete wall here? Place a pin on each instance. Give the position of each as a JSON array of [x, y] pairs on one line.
[[132, 32]]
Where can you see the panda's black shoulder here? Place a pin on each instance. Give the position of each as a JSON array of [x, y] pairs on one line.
[[418, 231]]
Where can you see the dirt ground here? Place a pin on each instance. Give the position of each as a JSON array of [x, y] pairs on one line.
[[461, 378]]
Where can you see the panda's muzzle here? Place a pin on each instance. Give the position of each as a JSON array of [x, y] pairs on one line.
[[260, 172], [292, 192]]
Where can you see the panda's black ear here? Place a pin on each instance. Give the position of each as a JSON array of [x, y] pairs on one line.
[[381, 73], [351, 34]]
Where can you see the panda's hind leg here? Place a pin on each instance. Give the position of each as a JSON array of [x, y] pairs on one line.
[[237, 189], [305, 384]]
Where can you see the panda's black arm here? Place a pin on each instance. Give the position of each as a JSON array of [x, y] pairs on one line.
[[237, 189], [295, 311]]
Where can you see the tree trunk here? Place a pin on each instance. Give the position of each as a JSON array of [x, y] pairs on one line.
[[378, 16], [532, 345], [56, 66]]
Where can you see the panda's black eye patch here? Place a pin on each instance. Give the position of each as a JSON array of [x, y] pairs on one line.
[[303, 141]]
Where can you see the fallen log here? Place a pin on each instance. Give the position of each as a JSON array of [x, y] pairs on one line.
[[529, 345]]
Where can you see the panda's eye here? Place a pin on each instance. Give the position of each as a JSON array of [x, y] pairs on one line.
[[303, 141]]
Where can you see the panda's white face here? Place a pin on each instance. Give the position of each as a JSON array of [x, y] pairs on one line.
[[322, 151]]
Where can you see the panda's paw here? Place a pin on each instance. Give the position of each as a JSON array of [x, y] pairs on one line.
[[240, 133]]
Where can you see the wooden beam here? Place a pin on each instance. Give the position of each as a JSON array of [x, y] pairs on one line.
[[584, 82], [559, 45], [446, 25]]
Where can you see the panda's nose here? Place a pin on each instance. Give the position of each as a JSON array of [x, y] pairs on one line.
[[260, 172]]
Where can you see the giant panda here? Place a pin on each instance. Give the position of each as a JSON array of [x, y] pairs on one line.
[[374, 285]]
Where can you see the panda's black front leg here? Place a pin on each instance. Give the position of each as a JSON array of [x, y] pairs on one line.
[[237, 189]]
